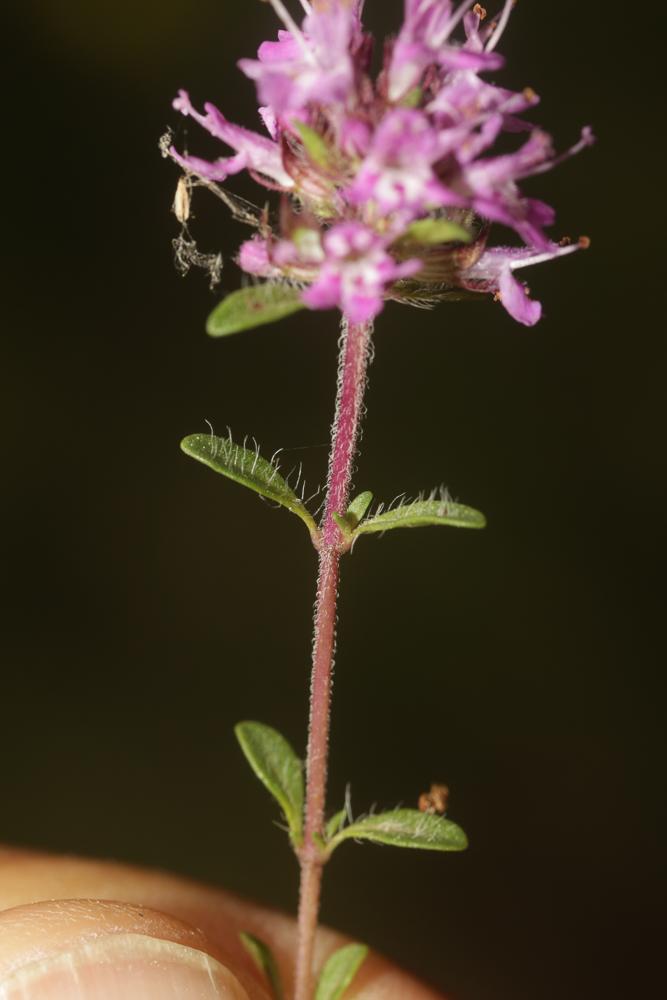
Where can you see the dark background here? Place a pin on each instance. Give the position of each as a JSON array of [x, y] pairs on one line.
[[150, 605]]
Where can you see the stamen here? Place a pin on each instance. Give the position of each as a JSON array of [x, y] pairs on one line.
[[457, 16], [529, 94], [587, 139], [584, 242], [480, 11], [500, 27]]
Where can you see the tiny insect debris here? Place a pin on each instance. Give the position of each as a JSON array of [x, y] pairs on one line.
[[181, 206], [435, 800]]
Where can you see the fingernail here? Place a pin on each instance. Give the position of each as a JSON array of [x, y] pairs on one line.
[[124, 967]]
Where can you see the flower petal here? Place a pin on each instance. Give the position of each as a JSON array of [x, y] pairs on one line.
[[516, 300], [261, 155]]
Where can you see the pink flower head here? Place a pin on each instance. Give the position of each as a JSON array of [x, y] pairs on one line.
[[367, 166]]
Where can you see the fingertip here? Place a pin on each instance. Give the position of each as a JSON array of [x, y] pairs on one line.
[[102, 949]]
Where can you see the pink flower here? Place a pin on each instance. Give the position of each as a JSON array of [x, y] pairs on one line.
[[355, 273], [490, 185], [253, 152], [424, 40], [494, 273], [397, 174], [309, 65]]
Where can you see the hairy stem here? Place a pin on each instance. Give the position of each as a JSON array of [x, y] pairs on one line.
[[353, 364]]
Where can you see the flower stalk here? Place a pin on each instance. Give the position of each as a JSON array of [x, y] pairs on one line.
[[353, 365]]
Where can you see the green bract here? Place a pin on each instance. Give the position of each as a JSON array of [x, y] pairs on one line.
[[405, 828], [339, 971], [278, 768], [432, 231], [247, 467], [253, 306]]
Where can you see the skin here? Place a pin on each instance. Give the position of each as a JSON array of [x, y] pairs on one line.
[[48, 903]]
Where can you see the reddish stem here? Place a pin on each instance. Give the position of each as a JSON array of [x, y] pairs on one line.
[[353, 363]]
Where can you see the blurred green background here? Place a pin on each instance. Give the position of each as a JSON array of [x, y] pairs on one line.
[[149, 605]]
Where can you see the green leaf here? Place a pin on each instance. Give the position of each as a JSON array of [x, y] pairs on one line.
[[265, 962], [432, 231], [339, 971], [253, 306], [247, 467], [313, 143], [277, 767], [335, 824], [420, 513], [406, 828], [358, 508]]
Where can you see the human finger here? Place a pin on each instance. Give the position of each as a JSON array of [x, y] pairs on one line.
[[191, 915]]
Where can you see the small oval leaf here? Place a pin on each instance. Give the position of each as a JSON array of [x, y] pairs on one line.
[[339, 971], [348, 521], [253, 306], [263, 958], [357, 509], [406, 828], [421, 513], [277, 767], [247, 467]]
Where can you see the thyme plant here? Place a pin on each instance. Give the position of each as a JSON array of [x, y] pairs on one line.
[[386, 186]]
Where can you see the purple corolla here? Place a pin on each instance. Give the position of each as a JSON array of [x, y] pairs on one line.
[[494, 272], [355, 272], [397, 174], [312, 65]]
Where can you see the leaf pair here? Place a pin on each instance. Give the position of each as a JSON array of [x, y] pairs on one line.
[[337, 974], [277, 766], [247, 467]]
